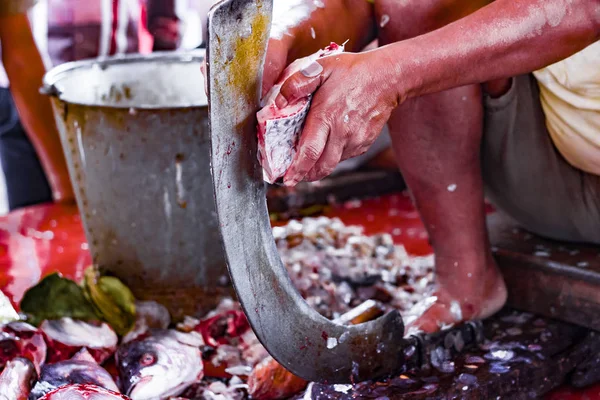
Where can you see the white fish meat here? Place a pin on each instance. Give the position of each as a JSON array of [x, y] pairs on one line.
[[278, 129]]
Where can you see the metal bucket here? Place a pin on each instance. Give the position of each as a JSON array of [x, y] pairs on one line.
[[135, 134]]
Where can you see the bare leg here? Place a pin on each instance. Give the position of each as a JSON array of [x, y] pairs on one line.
[[437, 142]]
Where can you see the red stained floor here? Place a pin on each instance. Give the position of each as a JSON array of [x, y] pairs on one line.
[[49, 238]]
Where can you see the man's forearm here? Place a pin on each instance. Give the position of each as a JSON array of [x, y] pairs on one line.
[[25, 70], [504, 39], [311, 25]]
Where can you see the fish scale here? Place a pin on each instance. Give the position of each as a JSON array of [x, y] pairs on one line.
[[283, 135]]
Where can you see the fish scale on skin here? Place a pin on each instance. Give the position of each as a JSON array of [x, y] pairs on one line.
[[278, 129], [19, 339]]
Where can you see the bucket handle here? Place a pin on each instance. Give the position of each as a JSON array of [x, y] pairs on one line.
[[50, 90]]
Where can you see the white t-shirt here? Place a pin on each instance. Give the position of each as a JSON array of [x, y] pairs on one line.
[[570, 96]]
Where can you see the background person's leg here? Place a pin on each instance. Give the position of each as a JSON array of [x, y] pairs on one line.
[[26, 182]]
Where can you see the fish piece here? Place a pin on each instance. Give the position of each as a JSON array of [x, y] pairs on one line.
[[212, 389], [228, 337], [19, 339], [278, 129], [84, 355], [83, 392], [68, 372], [269, 380], [17, 379], [253, 351], [7, 311], [148, 315], [223, 328], [67, 336], [160, 365]]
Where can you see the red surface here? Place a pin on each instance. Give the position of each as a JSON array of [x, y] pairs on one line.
[[39, 240], [49, 238]]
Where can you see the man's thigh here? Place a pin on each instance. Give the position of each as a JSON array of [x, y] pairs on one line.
[[527, 177]]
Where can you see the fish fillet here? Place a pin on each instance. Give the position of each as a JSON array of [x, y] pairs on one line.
[[278, 129]]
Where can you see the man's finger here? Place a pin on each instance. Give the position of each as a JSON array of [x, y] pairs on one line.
[[330, 158], [275, 63], [203, 70], [310, 148], [300, 85]]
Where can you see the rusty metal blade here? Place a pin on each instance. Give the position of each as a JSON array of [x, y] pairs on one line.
[[299, 338]]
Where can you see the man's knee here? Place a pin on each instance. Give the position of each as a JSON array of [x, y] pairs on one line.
[[418, 17]]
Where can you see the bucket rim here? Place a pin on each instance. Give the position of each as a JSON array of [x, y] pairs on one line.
[[55, 74]]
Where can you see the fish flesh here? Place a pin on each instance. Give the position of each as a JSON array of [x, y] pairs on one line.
[[68, 372], [67, 336], [271, 381], [17, 379], [83, 392], [19, 339], [278, 129], [160, 365], [223, 328]]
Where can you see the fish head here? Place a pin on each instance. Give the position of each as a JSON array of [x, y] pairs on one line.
[[71, 372], [83, 392], [160, 365]]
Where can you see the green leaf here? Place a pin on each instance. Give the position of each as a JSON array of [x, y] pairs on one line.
[[55, 297], [112, 300]]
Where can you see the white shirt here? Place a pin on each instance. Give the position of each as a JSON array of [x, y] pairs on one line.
[[570, 96]]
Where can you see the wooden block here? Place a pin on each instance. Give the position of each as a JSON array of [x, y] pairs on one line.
[[550, 278], [352, 185]]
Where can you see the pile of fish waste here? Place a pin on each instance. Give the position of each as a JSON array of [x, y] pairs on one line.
[[335, 267]]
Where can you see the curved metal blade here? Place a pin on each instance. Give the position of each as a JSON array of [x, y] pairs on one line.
[[299, 338]]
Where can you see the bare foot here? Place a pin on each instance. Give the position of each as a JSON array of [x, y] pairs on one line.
[[464, 294]]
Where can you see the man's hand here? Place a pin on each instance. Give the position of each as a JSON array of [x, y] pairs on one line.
[[351, 103], [276, 61]]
